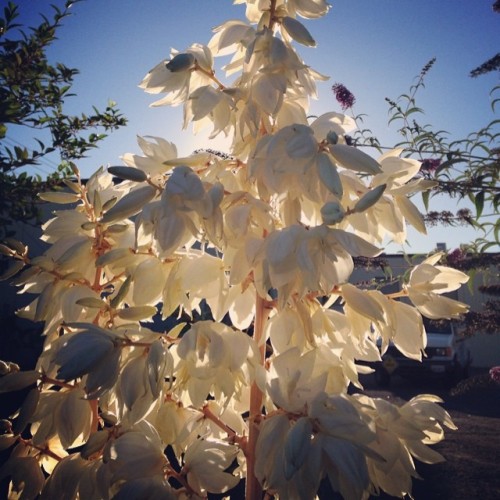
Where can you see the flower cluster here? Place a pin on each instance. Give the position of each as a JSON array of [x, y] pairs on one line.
[[495, 374], [344, 96], [250, 249]]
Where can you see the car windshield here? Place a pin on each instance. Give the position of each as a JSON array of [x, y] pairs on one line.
[[437, 326]]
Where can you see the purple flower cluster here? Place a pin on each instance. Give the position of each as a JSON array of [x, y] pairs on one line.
[[456, 257], [495, 374], [430, 165], [344, 96]]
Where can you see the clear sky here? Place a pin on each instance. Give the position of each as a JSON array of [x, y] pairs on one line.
[[374, 47]]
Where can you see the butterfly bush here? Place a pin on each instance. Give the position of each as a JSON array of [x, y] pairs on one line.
[[247, 251]]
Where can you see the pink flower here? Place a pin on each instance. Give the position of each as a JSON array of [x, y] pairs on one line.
[[495, 374]]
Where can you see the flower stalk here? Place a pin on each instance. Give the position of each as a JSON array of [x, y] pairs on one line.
[[253, 487]]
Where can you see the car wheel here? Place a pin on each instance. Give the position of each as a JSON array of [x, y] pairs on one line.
[[454, 376], [382, 377]]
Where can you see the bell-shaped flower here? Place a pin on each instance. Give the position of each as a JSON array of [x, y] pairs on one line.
[[299, 259], [213, 358], [156, 152], [73, 418], [310, 9], [81, 352], [205, 462], [65, 478], [134, 455], [151, 487], [403, 433], [288, 457], [208, 106], [290, 382], [134, 391], [179, 77], [229, 36], [203, 277], [338, 123], [428, 282], [65, 223], [175, 423], [26, 476]]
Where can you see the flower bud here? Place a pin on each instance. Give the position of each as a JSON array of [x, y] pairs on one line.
[[14, 367], [109, 419], [137, 313], [75, 187], [118, 257], [181, 62], [128, 173], [369, 199], [298, 31], [59, 197], [332, 212], [5, 426], [130, 204], [4, 368], [117, 228], [332, 137], [92, 303], [16, 245], [89, 226], [109, 204], [18, 380]]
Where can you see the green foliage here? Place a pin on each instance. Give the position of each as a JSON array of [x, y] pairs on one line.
[[466, 169], [32, 94]]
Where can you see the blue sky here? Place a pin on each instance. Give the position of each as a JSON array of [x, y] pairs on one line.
[[374, 47]]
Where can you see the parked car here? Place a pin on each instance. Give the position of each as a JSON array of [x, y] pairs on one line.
[[446, 357]]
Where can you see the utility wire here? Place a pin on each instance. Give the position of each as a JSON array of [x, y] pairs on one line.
[[43, 161]]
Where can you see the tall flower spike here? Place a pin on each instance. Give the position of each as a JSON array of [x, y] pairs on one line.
[[235, 259]]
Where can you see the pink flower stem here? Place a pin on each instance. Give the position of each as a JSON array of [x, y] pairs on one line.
[[253, 487]]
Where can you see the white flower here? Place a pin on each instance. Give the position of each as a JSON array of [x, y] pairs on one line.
[[157, 151], [205, 462], [338, 123], [82, 351], [402, 433], [309, 9], [428, 281], [291, 385], [182, 79], [213, 359], [134, 455]]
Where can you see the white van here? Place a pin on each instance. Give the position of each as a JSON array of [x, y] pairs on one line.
[[446, 357]]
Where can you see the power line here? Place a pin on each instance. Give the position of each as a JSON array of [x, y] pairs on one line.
[[44, 158], [42, 161]]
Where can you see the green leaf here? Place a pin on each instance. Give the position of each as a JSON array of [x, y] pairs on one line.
[[414, 109], [479, 203]]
